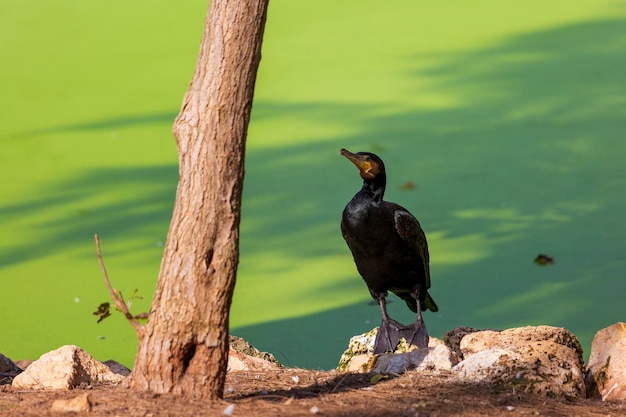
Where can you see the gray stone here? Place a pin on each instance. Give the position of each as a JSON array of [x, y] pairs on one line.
[[117, 368], [607, 363], [7, 365], [65, 368], [8, 370]]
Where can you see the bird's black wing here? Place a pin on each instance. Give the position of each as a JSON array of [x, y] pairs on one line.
[[411, 232]]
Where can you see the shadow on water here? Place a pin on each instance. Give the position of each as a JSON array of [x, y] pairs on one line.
[[527, 160], [116, 123], [128, 201]]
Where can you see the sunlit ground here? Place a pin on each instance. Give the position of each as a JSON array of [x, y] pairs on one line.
[[507, 118]]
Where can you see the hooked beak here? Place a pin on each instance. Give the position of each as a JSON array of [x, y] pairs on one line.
[[362, 162]]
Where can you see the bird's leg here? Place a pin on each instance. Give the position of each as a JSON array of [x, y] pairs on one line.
[[416, 333], [389, 332]]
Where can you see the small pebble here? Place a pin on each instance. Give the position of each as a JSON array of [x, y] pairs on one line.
[[295, 378], [228, 411], [510, 408], [314, 410]]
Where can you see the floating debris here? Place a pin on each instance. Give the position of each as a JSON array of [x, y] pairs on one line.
[[543, 260], [103, 311], [409, 185]]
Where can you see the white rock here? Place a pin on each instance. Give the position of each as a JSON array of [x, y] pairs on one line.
[[359, 357], [541, 359], [65, 368], [607, 363], [435, 358], [489, 365]]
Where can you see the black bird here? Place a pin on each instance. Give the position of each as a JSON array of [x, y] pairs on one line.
[[390, 252]]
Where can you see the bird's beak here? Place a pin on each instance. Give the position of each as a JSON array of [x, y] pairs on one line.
[[359, 160]]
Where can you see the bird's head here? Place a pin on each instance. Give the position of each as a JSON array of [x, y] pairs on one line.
[[369, 164]]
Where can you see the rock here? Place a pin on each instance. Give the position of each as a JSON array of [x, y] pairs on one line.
[[490, 365], [543, 359], [79, 404], [7, 365], [607, 363], [65, 368], [452, 339], [436, 357], [8, 370], [117, 368], [242, 356], [362, 344], [24, 363], [359, 356], [519, 336], [240, 345], [238, 361]]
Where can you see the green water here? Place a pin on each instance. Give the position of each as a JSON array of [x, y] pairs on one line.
[[509, 119]]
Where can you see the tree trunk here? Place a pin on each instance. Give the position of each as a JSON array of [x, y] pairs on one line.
[[184, 346]]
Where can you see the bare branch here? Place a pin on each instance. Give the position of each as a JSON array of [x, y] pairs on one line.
[[116, 295]]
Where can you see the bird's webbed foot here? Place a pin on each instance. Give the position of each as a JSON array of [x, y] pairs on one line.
[[391, 332], [416, 334], [388, 336]]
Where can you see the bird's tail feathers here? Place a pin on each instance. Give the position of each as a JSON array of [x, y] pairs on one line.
[[429, 304]]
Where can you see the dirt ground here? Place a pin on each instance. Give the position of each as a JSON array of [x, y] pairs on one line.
[[299, 392]]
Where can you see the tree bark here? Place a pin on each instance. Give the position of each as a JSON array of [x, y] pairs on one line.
[[184, 346]]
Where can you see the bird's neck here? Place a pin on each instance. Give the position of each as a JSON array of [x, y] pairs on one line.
[[375, 186]]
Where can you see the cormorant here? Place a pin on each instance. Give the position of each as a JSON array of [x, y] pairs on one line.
[[390, 252]]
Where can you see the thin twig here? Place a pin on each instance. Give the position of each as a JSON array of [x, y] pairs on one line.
[[117, 299]]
